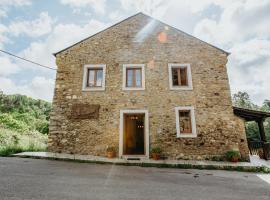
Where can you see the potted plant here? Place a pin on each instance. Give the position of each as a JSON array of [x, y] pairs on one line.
[[155, 153], [233, 155], [111, 152]]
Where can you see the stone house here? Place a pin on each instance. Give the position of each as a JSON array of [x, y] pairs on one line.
[[142, 83]]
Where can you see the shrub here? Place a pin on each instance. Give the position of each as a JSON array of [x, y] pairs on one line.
[[9, 150], [12, 142], [42, 126], [9, 122], [232, 154], [21, 113], [156, 150]]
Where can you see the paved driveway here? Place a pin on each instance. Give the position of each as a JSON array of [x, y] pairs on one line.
[[45, 179]]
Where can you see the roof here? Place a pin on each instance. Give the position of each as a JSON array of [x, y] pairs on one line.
[[140, 13], [250, 115]]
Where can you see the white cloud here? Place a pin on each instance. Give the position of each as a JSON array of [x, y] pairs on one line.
[[62, 36], [248, 69], [116, 16], [39, 87], [7, 67], [3, 38], [3, 13], [5, 4], [35, 28], [97, 5], [242, 29], [15, 2], [154, 8], [239, 21]]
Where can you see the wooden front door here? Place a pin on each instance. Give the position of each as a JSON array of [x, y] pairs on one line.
[[134, 134]]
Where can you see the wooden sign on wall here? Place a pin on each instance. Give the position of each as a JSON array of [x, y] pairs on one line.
[[85, 111]]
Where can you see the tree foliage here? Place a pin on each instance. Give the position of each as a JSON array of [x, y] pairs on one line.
[[242, 100], [22, 113]]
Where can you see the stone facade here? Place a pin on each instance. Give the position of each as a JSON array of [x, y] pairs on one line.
[[143, 40]]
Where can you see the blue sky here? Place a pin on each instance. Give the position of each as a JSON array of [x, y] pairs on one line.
[[35, 29]]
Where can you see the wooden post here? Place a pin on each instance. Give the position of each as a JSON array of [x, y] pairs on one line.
[[261, 130], [265, 145]]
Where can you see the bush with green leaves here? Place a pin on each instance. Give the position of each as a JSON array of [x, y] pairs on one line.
[[242, 100], [14, 142], [156, 150], [7, 121], [22, 113], [232, 154]]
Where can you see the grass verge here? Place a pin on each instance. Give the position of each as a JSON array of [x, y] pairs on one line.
[[12, 142]]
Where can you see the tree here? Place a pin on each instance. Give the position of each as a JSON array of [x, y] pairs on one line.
[[242, 100], [23, 113]]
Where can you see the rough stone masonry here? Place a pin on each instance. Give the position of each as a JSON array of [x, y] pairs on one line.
[[218, 130]]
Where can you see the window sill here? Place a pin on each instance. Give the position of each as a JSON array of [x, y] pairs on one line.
[[93, 89], [181, 88], [183, 135], [133, 88]]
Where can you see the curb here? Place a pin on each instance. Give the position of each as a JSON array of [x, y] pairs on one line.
[[257, 169]]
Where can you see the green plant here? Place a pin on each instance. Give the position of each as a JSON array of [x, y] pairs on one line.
[[12, 142], [231, 154], [9, 150], [23, 114], [156, 150]]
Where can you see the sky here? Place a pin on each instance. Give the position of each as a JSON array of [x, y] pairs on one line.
[[34, 29]]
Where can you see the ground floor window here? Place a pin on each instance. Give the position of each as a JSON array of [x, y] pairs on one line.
[[185, 121]]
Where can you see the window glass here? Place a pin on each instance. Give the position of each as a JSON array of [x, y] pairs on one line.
[[99, 74], [179, 76], [175, 76], [185, 121], [138, 77], [91, 78], [183, 76], [129, 77]]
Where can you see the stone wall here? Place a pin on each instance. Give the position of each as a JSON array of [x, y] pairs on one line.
[[137, 41]]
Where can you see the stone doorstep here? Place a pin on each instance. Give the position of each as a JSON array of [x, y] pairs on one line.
[[143, 162]]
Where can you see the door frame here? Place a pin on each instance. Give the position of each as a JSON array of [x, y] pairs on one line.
[[146, 133]]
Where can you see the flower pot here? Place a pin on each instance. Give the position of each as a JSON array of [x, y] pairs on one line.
[[111, 154], [156, 156], [234, 159]]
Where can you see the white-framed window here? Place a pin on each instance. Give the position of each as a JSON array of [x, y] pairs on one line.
[[180, 76], [94, 77], [185, 122], [133, 77]]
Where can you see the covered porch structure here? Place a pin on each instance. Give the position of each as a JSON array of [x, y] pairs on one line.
[[259, 117]]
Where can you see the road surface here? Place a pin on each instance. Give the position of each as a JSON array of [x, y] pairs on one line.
[[22, 178]]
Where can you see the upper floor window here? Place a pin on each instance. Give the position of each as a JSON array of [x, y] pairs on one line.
[[133, 77], [185, 122], [94, 77], [180, 77]]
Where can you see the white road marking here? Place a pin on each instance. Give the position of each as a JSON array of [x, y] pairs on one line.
[[265, 177]]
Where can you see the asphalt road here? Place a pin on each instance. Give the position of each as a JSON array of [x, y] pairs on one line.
[[47, 179]]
